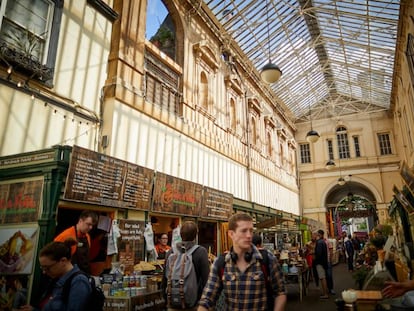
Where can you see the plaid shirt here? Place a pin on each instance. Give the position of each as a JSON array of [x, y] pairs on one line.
[[243, 290]]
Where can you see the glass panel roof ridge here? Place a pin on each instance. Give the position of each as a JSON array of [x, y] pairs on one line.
[[323, 47]]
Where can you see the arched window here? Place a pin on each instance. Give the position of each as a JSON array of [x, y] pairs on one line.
[[204, 90], [269, 144], [160, 28], [233, 118], [254, 130], [342, 141]]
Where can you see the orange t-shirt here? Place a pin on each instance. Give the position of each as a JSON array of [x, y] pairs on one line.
[[71, 233]]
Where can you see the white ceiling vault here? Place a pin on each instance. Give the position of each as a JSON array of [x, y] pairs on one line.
[[337, 57]]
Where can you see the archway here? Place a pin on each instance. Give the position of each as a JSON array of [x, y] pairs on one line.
[[351, 208]]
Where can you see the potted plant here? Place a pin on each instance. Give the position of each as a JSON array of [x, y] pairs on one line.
[[360, 274]]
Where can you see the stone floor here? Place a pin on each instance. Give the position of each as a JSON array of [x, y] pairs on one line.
[[342, 280]]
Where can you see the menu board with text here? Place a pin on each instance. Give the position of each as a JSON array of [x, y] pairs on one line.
[[175, 195], [216, 204], [97, 178], [131, 244]]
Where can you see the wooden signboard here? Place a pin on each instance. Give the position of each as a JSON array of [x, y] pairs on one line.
[[131, 246], [216, 204], [20, 200], [175, 195], [97, 178]]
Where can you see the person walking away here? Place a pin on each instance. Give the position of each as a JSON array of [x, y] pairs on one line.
[[357, 246], [55, 262], [329, 272], [241, 279], [162, 247], [201, 264], [321, 262], [80, 233], [349, 253]]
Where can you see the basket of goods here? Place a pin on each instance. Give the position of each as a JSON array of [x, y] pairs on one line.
[[13, 251], [145, 267]]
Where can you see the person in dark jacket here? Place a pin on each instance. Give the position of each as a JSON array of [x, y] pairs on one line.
[[321, 262], [349, 253]]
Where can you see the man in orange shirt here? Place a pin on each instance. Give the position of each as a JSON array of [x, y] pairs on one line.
[[80, 233]]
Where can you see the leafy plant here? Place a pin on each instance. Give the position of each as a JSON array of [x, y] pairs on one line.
[[360, 274], [163, 35], [24, 41]]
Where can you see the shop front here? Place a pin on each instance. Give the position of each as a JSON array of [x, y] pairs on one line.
[[43, 193]]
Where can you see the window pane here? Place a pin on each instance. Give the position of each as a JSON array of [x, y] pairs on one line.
[[356, 146], [384, 144], [342, 140], [305, 156], [330, 149], [25, 27]]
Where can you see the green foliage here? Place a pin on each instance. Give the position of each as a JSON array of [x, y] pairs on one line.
[[24, 41], [163, 35], [360, 274]]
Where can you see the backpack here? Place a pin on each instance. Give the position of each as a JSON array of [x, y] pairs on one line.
[[266, 268], [96, 299], [182, 285]]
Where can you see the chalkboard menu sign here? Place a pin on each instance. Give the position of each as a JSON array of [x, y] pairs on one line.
[[131, 245], [97, 178], [174, 195], [216, 204]]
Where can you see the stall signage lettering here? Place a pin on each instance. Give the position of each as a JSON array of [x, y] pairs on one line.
[[20, 201], [175, 195]]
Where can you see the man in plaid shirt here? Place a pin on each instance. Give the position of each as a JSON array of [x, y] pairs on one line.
[[242, 280]]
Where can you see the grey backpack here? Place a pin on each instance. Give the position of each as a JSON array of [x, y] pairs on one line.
[[182, 286]]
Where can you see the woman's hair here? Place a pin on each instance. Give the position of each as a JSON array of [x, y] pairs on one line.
[[58, 250]]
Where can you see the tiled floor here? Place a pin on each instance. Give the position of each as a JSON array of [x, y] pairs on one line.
[[342, 280]]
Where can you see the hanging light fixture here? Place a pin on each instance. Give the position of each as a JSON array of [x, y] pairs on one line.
[[312, 136], [330, 164], [341, 181], [270, 72]]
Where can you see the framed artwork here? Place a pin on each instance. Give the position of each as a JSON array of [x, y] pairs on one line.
[[18, 246]]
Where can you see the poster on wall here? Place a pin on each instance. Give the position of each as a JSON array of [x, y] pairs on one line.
[[175, 195], [17, 249], [131, 245], [20, 200]]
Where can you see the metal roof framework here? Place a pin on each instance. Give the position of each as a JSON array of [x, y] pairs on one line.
[[337, 57]]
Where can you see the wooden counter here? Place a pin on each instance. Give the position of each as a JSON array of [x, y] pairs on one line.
[[151, 300]]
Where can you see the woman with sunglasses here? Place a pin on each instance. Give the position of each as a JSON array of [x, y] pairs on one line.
[[55, 262]]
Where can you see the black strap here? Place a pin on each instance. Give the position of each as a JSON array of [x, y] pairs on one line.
[[67, 285]]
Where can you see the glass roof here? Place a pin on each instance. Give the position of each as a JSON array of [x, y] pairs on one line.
[[337, 57]]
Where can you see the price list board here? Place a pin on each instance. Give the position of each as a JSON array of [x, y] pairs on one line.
[[100, 179], [216, 204]]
